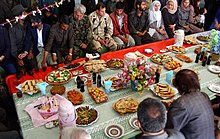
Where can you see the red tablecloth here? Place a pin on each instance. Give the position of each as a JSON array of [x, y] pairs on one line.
[[12, 81]]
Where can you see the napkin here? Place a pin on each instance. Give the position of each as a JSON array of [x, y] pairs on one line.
[[108, 85], [169, 76], [42, 86], [36, 117]]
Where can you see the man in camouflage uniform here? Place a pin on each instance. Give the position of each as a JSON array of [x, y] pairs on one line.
[[102, 29], [82, 33]]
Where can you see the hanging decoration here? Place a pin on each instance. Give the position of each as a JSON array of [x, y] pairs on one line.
[[16, 18]]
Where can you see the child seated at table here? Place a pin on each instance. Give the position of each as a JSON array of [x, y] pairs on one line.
[[74, 133]]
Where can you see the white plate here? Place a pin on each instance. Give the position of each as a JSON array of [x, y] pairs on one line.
[[134, 122], [164, 82], [90, 107], [214, 69], [83, 77], [163, 50], [114, 131], [148, 50], [214, 87]]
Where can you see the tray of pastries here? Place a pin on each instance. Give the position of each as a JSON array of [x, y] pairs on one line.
[[160, 58], [184, 58], [172, 65], [73, 66], [163, 90], [30, 86], [177, 49], [190, 40], [125, 105], [98, 95], [95, 65]]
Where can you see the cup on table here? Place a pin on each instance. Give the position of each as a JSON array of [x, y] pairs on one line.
[[19, 94]]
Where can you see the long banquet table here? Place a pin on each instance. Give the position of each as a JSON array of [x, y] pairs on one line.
[[106, 113]]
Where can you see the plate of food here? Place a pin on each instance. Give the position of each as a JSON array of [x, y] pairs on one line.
[[214, 69], [58, 89], [184, 58], [117, 83], [98, 95], [115, 63], [95, 65], [114, 131], [172, 65], [73, 66], [203, 38], [125, 105], [86, 115], [134, 122], [75, 97], [190, 40], [29, 86], [177, 49], [161, 58], [214, 88], [163, 90], [58, 77]]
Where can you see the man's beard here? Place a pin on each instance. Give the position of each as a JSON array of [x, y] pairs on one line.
[[34, 27]]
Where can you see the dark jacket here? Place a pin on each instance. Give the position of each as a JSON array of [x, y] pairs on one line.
[[90, 5], [4, 43], [31, 38], [116, 27]]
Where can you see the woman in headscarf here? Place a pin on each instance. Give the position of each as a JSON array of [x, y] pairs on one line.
[[156, 22], [186, 18], [170, 17]]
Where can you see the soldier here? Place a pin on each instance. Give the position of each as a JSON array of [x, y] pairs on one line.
[[102, 29], [82, 33]]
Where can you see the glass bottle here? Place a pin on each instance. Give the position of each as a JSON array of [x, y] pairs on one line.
[[197, 58], [82, 89], [99, 80], [78, 81], [209, 60], [202, 55], [204, 61], [89, 82], [94, 77]]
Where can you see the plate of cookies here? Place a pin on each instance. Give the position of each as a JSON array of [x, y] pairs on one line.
[[95, 65], [30, 86], [164, 90], [177, 49]]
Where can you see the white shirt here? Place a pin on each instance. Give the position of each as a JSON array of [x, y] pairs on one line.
[[120, 20], [96, 2], [202, 19], [40, 38]]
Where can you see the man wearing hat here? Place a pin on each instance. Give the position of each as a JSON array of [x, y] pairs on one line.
[[138, 24], [35, 40], [17, 35], [60, 41]]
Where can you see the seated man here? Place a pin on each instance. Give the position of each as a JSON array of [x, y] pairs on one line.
[[120, 27], [17, 35], [138, 24], [60, 41], [102, 29], [82, 34], [152, 119], [36, 39], [6, 62]]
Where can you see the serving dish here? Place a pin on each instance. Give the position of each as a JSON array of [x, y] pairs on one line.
[[86, 115], [58, 77], [163, 90], [214, 88], [160, 58], [75, 97], [177, 49], [214, 69], [115, 63], [114, 131]]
